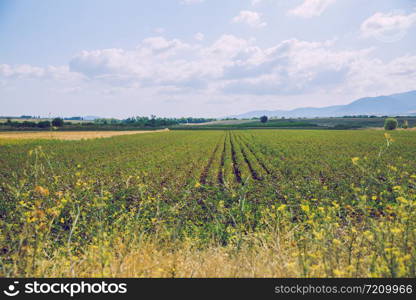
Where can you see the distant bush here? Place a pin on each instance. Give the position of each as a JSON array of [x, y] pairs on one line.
[[346, 126], [28, 124], [391, 124], [58, 122], [405, 124], [264, 119], [44, 124]]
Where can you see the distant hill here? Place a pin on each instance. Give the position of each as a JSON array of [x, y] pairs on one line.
[[393, 105], [90, 118]]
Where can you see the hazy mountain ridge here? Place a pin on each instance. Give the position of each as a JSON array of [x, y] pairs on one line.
[[393, 105]]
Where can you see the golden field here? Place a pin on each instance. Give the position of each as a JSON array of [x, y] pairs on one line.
[[69, 135]]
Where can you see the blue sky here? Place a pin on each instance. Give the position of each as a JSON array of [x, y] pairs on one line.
[[200, 57]]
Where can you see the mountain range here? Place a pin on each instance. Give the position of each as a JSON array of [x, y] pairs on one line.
[[403, 104]]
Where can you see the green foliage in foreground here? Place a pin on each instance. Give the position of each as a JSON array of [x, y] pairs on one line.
[[336, 203]]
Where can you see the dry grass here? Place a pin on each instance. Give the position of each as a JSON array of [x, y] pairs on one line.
[[157, 261], [68, 135]]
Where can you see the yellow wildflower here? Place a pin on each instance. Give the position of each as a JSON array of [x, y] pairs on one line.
[[336, 242], [396, 230], [305, 208], [282, 207], [41, 190], [402, 200]]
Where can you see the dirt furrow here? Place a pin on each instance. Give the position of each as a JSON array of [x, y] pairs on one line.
[[237, 172], [261, 163], [204, 174], [253, 172], [220, 176]]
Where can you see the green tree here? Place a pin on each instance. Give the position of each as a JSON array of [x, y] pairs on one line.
[[58, 122], [391, 124], [405, 124], [44, 124], [264, 119]]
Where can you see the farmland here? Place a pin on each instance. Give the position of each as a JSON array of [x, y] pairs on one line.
[[65, 135], [224, 203], [343, 123]]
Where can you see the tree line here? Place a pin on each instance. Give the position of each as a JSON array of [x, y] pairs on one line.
[[151, 121], [139, 122], [57, 122]]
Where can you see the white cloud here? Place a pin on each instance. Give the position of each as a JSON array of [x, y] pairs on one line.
[[225, 48], [199, 36], [311, 8], [233, 65], [229, 68], [291, 67], [373, 76], [250, 18], [160, 45], [21, 71], [34, 72], [387, 27], [155, 61]]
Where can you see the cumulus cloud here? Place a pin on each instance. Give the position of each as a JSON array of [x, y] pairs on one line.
[[291, 67], [160, 45], [373, 76], [21, 71], [233, 65], [28, 71], [311, 8], [155, 61], [390, 26], [230, 66], [250, 18], [148, 59]]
